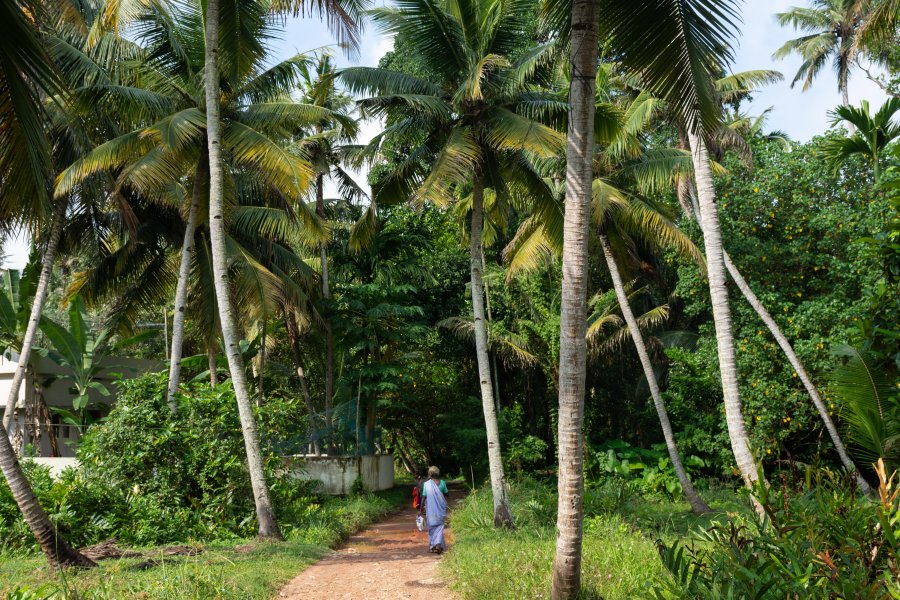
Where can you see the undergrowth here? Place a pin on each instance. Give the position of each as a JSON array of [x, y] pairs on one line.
[[620, 558], [239, 569]]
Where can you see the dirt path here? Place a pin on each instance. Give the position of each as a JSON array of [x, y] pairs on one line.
[[387, 561]]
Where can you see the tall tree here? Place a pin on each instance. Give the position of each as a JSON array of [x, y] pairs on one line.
[[471, 127], [584, 26], [25, 163], [717, 278], [184, 272], [668, 44], [265, 514], [831, 28]]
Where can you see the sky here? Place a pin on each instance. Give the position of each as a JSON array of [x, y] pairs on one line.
[[801, 114]]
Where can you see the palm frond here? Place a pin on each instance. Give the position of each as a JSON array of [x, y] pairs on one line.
[[283, 170], [674, 47], [869, 405]]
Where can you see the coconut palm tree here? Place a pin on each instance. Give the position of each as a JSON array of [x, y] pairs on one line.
[[698, 107], [343, 17], [708, 218], [666, 44], [26, 75], [265, 514], [326, 145], [584, 23], [470, 128], [260, 114], [870, 136], [730, 89], [879, 24], [831, 28]]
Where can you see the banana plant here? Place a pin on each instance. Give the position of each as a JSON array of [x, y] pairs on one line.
[[16, 294], [80, 350]]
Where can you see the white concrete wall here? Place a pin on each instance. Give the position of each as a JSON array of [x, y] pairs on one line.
[[57, 465], [336, 474]]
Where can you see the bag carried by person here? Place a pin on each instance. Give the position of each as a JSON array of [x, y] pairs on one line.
[[420, 523]]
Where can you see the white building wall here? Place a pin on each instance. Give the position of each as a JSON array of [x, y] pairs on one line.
[[59, 394]]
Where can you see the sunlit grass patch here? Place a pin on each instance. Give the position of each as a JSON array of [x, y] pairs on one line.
[[619, 560]]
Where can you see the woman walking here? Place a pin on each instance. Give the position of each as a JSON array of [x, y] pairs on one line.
[[435, 508]]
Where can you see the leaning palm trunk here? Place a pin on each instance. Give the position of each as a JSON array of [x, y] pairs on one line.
[[58, 552], [799, 369], [712, 241], [181, 290], [688, 203], [697, 504], [37, 309], [268, 527], [502, 515], [585, 25]]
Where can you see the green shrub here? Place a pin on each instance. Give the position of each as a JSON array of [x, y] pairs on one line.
[[824, 541], [149, 475], [646, 470]]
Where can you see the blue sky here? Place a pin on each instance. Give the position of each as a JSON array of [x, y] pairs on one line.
[[801, 114]]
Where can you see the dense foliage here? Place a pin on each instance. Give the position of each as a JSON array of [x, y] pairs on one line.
[[152, 476], [798, 233], [818, 538]]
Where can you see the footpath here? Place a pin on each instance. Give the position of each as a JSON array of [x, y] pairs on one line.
[[387, 561]]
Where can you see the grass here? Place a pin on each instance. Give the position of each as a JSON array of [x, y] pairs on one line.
[[246, 569], [620, 560]]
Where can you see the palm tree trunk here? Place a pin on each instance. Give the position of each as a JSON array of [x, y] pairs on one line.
[[715, 261], [261, 376], [37, 309], [845, 95], [181, 290], [799, 369], [697, 504], [584, 23], [58, 552], [490, 319], [294, 342], [326, 294], [268, 527], [211, 365], [502, 515]]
